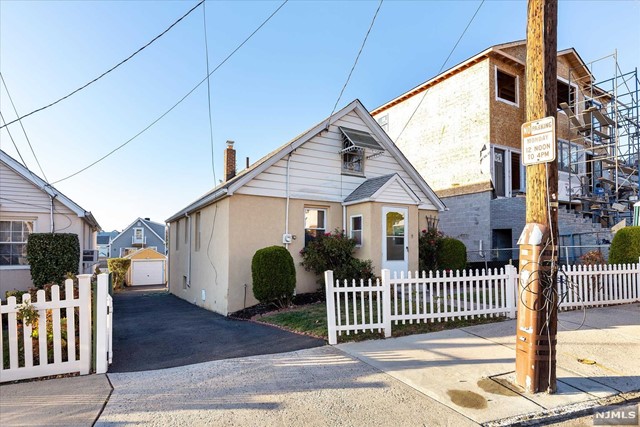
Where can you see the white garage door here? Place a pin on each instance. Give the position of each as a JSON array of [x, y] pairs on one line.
[[147, 273]]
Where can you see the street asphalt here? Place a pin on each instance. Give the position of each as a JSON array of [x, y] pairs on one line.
[[153, 330]]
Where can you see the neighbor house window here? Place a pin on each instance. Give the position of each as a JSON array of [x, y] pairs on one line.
[[567, 157], [315, 223], [356, 229], [198, 227], [177, 235], [566, 94], [506, 87], [384, 122], [13, 242]]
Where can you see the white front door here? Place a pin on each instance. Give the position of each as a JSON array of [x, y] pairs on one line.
[[395, 247]]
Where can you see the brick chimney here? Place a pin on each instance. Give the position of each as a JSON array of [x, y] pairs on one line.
[[229, 161]]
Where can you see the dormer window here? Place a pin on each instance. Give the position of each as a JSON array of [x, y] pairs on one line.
[[356, 146]]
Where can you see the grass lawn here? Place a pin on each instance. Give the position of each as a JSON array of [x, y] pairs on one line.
[[312, 320]]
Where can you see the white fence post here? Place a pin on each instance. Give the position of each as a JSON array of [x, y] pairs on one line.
[[511, 290], [386, 302], [101, 324], [331, 307], [84, 291]]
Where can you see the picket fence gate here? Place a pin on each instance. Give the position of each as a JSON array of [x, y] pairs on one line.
[[17, 349], [374, 305]]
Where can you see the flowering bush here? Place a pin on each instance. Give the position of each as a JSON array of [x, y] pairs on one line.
[[439, 252], [594, 257], [334, 251], [428, 244]]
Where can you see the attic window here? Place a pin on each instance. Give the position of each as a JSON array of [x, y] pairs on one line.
[[356, 145], [506, 87]]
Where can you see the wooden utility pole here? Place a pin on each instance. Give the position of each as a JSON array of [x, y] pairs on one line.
[[537, 306]]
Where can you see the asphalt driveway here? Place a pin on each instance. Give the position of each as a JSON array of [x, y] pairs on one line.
[[155, 330]]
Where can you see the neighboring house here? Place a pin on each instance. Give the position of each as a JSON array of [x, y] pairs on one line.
[[148, 267], [141, 233], [29, 205], [463, 136], [104, 242], [345, 173]]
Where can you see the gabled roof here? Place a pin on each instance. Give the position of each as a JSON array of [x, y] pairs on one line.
[[373, 190], [41, 184], [229, 187], [149, 225], [577, 65], [368, 188]]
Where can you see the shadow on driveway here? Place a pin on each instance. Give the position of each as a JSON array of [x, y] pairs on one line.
[[153, 330]]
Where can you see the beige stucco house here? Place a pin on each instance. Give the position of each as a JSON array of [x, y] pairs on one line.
[[29, 205], [344, 173]]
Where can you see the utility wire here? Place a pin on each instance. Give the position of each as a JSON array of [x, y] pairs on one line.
[[440, 71], [353, 67], [179, 101], [108, 71], [213, 166], [14, 142], [23, 129]]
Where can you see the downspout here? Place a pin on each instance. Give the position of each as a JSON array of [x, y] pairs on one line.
[[344, 219], [286, 212], [53, 226], [189, 254]]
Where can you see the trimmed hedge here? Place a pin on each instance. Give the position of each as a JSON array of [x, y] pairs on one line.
[[52, 257], [452, 254], [119, 268], [274, 276], [625, 247]]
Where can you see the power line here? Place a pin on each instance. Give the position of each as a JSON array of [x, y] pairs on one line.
[[14, 142], [23, 129], [179, 101], [440, 71], [206, 54], [108, 71], [355, 62]]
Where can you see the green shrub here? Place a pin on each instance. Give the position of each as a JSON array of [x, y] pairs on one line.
[[334, 251], [428, 244], [274, 276], [452, 254], [119, 268], [52, 256], [625, 247]]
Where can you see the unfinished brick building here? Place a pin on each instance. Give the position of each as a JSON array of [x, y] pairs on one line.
[[461, 130]]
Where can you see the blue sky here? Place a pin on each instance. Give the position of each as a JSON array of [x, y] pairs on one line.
[[283, 81]]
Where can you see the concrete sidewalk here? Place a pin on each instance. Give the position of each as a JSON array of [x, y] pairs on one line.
[[73, 401], [470, 370]]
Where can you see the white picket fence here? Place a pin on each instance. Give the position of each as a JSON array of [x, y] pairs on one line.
[[17, 349], [376, 305]]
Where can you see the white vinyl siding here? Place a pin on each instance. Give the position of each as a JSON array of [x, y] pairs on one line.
[[315, 170], [19, 195]]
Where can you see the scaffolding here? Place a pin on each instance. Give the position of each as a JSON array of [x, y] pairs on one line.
[[603, 154]]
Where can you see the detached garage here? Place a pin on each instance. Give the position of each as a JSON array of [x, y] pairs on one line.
[[148, 267]]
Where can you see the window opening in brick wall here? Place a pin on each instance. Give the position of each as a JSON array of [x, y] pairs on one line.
[[506, 87]]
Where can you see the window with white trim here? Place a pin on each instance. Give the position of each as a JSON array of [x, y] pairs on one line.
[[506, 87], [507, 172], [13, 242], [356, 229], [315, 223]]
